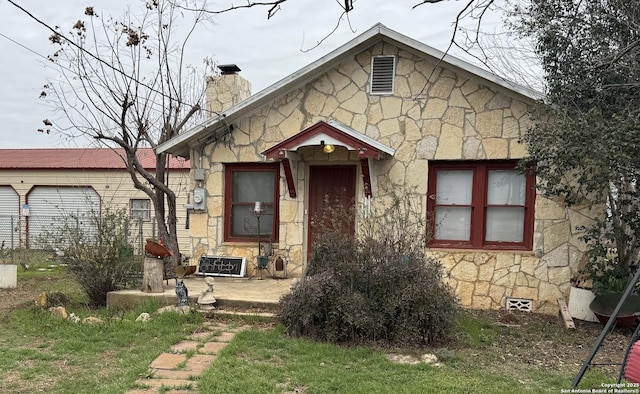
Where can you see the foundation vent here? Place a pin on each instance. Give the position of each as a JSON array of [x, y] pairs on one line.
[[519, 304]]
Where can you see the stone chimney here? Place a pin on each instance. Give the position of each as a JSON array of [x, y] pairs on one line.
[[226, 90]]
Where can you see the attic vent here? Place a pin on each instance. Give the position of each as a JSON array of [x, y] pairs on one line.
[[382, 72]]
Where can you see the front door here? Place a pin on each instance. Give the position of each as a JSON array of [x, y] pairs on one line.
[[330, 187]]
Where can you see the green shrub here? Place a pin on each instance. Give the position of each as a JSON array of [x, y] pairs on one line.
[[374, 286], [98, 256]]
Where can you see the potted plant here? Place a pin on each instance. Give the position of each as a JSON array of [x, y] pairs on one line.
[[609, 274], [8, 270]]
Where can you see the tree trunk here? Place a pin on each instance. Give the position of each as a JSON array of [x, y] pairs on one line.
[[152, 275]]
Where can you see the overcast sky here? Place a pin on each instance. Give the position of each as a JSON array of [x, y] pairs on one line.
[[265, 50]]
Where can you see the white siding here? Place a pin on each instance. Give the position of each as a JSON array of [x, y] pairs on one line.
[[9, 211], [52, 207]]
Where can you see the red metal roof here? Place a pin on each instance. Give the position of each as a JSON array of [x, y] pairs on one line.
[[79, 158]]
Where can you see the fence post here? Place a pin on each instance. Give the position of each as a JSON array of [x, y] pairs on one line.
[[11, 228], [126, 231], [140, 236]]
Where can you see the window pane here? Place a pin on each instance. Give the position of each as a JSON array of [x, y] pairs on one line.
[[453, 223], [454, 187], [505, 224], [245, 223], [250, 186], [140, 209], [506, 187]]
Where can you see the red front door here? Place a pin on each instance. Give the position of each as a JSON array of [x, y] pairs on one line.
[[330, 187]]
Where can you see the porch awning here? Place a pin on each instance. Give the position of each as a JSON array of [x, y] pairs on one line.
[[331, 133]]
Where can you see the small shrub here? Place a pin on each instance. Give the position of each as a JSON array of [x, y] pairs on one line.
[[374, 286], [98, 257]]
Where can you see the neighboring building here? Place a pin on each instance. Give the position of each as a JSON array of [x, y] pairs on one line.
[[59, 185], [384, 111]]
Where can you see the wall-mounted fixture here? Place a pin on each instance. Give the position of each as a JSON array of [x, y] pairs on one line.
[[327, 148], [199, 198]]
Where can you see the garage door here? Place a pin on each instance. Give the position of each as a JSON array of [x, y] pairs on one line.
[[53, 207], [9, 211]]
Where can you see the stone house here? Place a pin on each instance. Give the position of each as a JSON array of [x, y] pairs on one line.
[[74, 183], [383, 111]]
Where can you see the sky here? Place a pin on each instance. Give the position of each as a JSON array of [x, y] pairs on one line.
[[266, 50]]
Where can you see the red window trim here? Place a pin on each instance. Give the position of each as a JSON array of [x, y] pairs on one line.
[[478, 223], [229, 169]]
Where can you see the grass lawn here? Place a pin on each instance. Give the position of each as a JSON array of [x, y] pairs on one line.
[[269, 362], [43, 353]]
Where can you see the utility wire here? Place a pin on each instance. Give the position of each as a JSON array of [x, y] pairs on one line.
[[92, 55], [48, 60]]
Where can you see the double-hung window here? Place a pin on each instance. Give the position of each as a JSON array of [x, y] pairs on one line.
[[480, 205], [140, 209], [246, 184]]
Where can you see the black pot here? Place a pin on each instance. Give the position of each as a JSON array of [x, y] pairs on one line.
[[603, 306]]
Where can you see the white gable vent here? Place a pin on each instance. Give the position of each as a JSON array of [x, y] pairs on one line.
[[382, 72]]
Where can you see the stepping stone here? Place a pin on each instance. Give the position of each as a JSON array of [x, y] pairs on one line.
[[199, 362], [185, 346], [212, 347], [225, 337], [167, 383], [200, 336], [168, 361], [170, 374]]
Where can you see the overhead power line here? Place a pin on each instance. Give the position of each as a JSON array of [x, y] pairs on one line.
[[97, 58]]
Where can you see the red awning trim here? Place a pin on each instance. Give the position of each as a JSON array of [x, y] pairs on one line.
[[330, 133], [366, 177], [288, 173]]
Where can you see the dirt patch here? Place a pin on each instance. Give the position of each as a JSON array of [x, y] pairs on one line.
[[526, 341], [17, 297]]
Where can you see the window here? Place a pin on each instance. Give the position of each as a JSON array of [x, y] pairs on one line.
[[382, 73], [480, 204], [244, 185], [140, 209]]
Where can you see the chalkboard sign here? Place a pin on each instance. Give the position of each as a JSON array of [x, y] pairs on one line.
[[222, 266]]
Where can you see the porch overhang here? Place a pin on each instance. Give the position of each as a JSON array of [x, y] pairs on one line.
[[329, 133]]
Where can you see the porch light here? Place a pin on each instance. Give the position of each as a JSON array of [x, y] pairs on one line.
[[327, 148]]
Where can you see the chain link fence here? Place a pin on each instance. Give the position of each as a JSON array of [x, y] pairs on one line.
[[18, 232]]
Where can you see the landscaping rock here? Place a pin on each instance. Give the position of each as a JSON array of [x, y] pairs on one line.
[[59, 311], [91, 320], [172, 308], [144, 317]]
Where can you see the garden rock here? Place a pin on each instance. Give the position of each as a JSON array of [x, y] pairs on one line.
[[172, 308], [91, 320], [59, 311], [144, 317]]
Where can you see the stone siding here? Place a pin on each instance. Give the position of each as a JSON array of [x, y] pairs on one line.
[[435, 113]]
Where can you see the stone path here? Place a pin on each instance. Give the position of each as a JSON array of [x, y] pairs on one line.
[[178, 370]]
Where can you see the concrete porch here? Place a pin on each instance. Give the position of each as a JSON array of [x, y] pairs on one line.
[[242, 293]]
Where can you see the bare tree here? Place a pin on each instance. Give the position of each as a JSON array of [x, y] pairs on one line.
[[123, 83]]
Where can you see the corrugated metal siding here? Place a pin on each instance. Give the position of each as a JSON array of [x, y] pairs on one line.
[[9, 210], [52, 207]]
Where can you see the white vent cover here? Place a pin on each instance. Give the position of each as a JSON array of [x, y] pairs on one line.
[[382, 73], [519, 304]]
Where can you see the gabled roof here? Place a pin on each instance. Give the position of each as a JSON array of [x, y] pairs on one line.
[[334, 133], [219, 125], [78, 159]]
